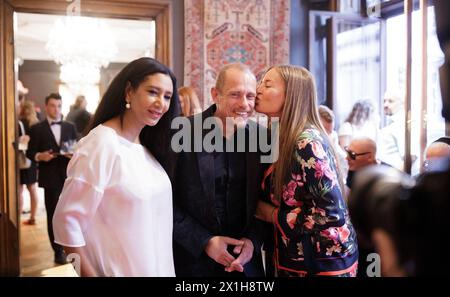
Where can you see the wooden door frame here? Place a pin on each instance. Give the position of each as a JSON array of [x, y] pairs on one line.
[[331, 67], [9, 233], [158, 10]]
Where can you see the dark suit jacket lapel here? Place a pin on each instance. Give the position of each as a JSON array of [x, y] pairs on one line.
[[65, 133], [253, 171], [205, 163], [206, 167]]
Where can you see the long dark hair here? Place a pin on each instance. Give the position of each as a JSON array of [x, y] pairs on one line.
[[361, 112], [155, 138]]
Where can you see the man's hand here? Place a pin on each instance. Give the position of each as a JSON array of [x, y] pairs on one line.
[[245, 252], [216, 249], [46, 156]]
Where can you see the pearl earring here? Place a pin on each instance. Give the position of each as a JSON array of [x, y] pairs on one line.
[[128, 105]]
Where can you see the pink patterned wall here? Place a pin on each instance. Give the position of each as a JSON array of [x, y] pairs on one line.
[[218, 32]]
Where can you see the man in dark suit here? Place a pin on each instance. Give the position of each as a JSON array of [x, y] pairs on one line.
[[215, 193], [46, 140]]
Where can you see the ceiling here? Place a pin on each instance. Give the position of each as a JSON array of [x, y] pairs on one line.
[[134, 38]]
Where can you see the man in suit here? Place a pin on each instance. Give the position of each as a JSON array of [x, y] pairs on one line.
[[46, 140], [215, 193]]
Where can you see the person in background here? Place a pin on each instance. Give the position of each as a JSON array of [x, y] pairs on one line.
[[47, 139], [438, 149], [314, 235], [115, 209], [360, 122], [392, 136], [79, 116], [189, 101], [327, 120], [28, 176], [361, 152]]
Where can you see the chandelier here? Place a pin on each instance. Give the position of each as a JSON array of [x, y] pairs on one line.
[[81, 45]]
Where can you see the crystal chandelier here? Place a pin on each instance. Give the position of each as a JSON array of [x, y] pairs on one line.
[[81, 45]]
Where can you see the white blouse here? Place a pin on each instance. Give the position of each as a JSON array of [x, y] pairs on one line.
[[117, 201], [368, 129]]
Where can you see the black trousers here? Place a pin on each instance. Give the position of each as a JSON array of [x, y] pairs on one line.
[[51, 199]]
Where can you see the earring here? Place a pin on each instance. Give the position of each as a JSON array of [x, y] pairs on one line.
[[128, 105]]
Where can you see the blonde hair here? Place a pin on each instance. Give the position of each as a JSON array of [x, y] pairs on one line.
[[326, 113], [190, 101], [299, 112], [28, 113]]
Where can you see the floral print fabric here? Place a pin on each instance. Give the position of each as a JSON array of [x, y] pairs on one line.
[[314, 235]]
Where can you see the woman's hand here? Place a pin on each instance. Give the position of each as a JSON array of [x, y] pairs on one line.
[[265, 211]]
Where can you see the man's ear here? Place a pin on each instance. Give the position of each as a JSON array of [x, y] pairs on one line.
[[385, 247], [215, 94]]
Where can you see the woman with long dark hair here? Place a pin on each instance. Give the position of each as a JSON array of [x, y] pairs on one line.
[[115, 210], [313, 232]]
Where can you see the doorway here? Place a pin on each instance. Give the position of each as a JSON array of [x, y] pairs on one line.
[[9, 69]]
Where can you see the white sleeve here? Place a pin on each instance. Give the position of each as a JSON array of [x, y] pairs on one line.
[[345, 129], [87, 177]]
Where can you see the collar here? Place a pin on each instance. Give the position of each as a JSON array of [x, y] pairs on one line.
[[50, 121]]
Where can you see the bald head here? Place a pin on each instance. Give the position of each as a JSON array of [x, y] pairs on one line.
[[231, 69], [364, 144], [437, 150], [364, 151]]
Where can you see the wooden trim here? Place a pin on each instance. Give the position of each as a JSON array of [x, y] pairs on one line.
[[3, 180], [158, 10], [424, 71], [331, 63], [136, 9], [164, 35], [407, 156], [9, 246]]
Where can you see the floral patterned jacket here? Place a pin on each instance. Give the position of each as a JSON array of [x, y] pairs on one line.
[[313, 234]]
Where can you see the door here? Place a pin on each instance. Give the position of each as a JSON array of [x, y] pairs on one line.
[[347, 60]]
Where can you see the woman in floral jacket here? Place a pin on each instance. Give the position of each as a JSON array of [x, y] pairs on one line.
[[313, 232]]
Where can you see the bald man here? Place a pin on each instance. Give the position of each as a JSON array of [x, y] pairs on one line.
[[392, 145], [361, 152], [436, 151]]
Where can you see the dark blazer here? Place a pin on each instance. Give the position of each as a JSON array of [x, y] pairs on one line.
[[80, 117], [195, 219], [52, 174]]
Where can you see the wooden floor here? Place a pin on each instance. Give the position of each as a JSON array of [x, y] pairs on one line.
[[36, 254]]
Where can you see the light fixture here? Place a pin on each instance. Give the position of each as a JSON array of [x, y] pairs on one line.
[[81, 45]]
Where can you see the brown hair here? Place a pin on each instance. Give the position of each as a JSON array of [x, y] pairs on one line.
[[326, 113], [361, 112], [299, 112], [191, 103]]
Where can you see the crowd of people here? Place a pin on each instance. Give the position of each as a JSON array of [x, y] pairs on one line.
[[130, 205]]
